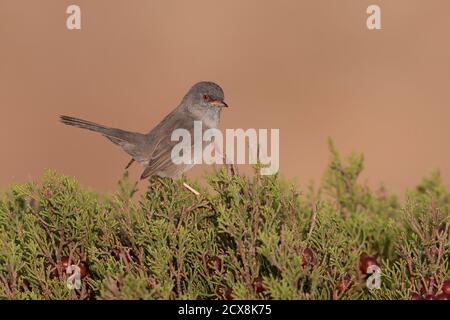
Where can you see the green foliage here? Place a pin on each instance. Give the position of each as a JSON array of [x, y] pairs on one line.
[[172, 244]]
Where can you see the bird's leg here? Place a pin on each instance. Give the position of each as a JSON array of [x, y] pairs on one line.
[[229, 164], [129, 164]]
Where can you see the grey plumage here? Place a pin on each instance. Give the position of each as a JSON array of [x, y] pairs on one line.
[[203, 102]]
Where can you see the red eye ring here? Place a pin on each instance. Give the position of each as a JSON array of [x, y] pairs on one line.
[[205, 97]]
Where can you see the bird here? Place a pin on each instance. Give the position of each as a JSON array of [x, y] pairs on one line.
[[203, 102]]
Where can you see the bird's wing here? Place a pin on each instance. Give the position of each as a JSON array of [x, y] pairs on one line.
[[159, 159]]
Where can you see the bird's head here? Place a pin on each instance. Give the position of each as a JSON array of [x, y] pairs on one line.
[[206, 96]]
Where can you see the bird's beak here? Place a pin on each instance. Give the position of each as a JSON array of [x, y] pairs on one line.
[[219, 104]]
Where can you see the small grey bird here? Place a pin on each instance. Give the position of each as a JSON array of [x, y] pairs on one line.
[[203, 102]]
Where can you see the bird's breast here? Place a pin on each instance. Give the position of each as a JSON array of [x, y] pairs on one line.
[[211, 119]]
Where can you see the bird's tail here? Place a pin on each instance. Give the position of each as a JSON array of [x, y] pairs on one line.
[[84, 124], [133, 143]]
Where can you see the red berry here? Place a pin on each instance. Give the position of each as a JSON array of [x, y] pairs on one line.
[[229, 294], [215, 264], [259, 285], [446, 287], [83, 269], [415, 296], [430, 297], [308, 258], [442, 296], [344, 283], [64, 262], [365, 262]]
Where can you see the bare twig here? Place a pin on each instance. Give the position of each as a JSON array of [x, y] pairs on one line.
[[191, 189]]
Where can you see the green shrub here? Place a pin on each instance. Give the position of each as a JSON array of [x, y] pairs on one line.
[[240, 236]]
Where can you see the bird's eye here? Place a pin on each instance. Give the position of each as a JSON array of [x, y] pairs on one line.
[[205, 97]]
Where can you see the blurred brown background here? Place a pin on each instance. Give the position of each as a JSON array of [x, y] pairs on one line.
[[310, 68]]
